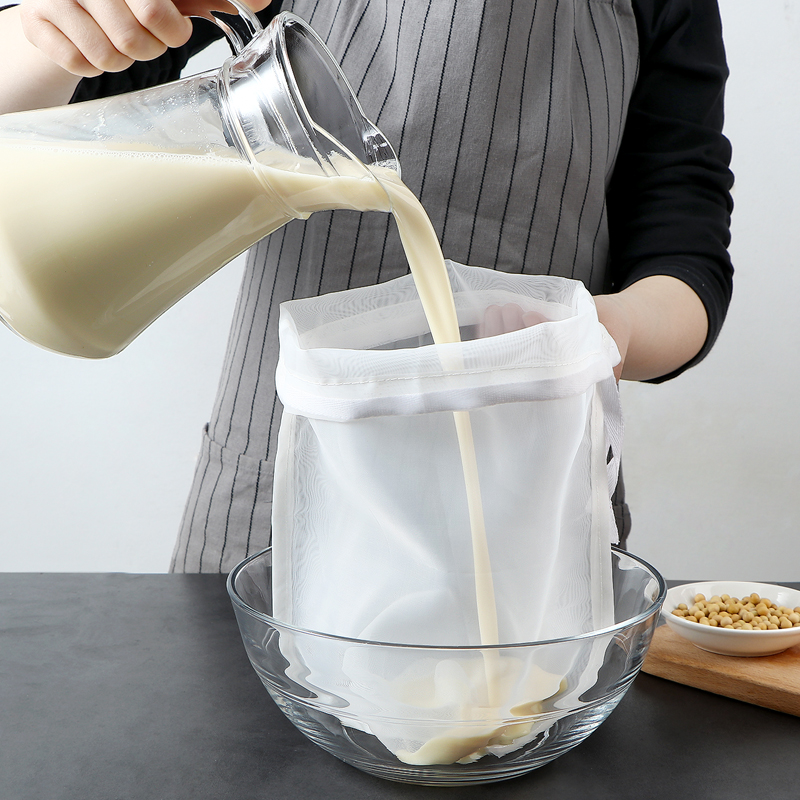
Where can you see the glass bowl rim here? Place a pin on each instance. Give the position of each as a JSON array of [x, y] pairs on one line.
[[653, 608]]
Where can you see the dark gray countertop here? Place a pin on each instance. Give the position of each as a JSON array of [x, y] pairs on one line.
[[129, 687]]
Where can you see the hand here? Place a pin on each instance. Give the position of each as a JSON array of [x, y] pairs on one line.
[[89, 37], [657, 323], [506, 319], [510, 317]]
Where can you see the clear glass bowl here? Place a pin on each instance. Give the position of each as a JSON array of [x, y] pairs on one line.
[[343, 693]]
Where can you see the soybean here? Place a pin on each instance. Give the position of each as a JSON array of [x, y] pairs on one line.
[[751, 613]]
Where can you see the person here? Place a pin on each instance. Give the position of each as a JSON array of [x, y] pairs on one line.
[[577, 138]]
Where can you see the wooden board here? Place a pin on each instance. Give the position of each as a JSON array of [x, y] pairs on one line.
[[768, 681]]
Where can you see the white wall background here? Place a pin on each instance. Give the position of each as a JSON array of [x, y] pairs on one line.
[[712, 459], [97, 456]]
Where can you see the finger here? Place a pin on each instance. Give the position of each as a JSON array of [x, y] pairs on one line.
[[492, 324], [72, 40], [531, 318], [512, 318], [127, 36], [162, 20]]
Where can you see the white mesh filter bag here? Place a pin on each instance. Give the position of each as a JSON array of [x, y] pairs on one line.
[[371, 534]]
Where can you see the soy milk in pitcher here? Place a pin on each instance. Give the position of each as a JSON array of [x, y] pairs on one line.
[[120, 235]]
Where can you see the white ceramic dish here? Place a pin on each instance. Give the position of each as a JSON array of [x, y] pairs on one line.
[[727, 641]]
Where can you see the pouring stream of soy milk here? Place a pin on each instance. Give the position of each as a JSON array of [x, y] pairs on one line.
[[500, 675], [425, 258]]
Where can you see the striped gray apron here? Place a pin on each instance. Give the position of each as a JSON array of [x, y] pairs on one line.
[[506, 116]]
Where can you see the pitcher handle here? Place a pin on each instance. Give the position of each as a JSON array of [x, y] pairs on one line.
[[239, 24]]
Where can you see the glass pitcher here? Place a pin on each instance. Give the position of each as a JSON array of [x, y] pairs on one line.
[[113, 209]]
